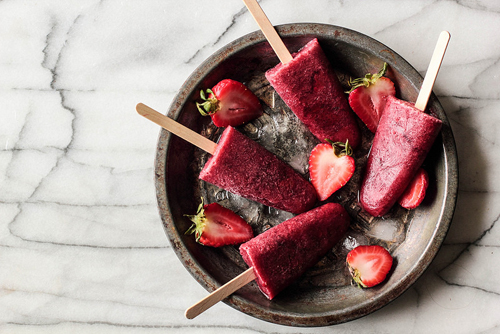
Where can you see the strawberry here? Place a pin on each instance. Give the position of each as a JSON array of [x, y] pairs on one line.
[[330, 167], [230, 103], [215, 225], [368, 95], [369, 265], [415, 192]]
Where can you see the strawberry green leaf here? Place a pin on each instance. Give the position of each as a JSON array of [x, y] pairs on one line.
[[367, 80]]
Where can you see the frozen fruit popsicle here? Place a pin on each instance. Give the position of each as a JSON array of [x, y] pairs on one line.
[[283, 253], [245, 168], [308, 85], [403, 138]]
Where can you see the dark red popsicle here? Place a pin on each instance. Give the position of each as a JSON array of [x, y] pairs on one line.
[[311, 89], [404, 137], [283, 253], [245, 168]]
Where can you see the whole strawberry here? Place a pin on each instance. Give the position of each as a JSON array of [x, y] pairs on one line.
[[230, 103], [330, 167], [368, 96], [215, 225], [369, 265]]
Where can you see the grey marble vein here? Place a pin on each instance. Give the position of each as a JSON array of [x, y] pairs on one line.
[[233, 21], [82, 247]]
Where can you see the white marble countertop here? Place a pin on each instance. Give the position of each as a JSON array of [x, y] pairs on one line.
[[82, 248]]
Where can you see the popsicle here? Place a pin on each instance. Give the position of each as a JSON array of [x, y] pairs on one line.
[[403, 138], [308, 85], [283, 253], [243, 167]]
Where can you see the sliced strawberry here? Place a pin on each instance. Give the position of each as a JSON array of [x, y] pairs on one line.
[[215, 225], [415, 192], [369, 265], [368, 96], [330, 167], [230, 103]]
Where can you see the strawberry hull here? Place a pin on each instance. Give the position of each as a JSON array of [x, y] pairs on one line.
[[283, 253], [245, 168], [308, 85], [403, 138]]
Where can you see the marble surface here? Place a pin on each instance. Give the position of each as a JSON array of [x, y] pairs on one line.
[[82, 248]]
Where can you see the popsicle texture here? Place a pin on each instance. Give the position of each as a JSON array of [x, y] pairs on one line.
[[283, 253], [404, 137], [245, 168], [308, 85]]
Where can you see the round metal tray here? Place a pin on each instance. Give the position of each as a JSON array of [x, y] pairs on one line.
[[324, 295]]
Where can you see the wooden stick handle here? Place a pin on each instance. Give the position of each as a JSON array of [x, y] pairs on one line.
[[176, 128], [233, 285], [432, 71], [268, 30]]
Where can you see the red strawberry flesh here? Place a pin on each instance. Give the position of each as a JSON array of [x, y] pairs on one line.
[[230, 103], [368, 97], [217, 226], [329, 172], [369, 265], [415, 192]]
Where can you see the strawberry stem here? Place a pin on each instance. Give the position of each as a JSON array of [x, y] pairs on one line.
[[340, 149], [367, 80], [198, 222], [356, 277], [211, 104]]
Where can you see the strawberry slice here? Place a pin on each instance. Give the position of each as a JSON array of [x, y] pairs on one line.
[[415, 192], [330, 167], [215, 225], [368, 96], [230, 103], [369, 265]]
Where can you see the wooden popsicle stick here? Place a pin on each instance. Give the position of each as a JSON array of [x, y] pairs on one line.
[[176, 128], [268, 30], [233, 285], [432, 70]]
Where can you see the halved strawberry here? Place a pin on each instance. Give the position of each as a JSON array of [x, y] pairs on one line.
[[369, 265], [330, 167], [215, 225], [415, 192], [230, 103], [368, 96]]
